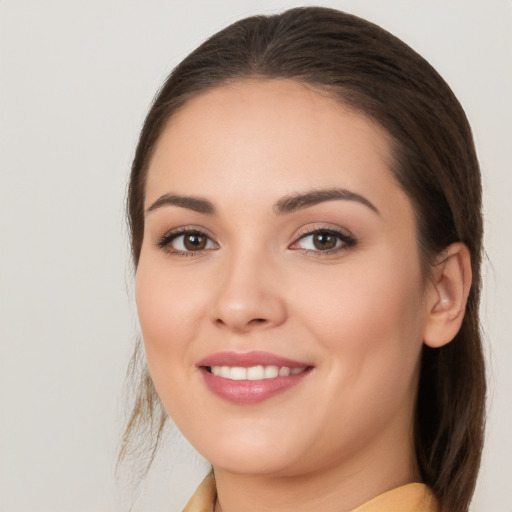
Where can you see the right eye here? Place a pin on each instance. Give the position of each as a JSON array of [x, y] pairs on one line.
[[186, 242]]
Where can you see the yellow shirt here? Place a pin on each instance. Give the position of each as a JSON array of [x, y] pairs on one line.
[[408, 498]]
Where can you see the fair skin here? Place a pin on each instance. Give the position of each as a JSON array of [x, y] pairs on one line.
[[331, 281]]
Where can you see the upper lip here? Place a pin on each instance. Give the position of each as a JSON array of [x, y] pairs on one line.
[[248, 359]]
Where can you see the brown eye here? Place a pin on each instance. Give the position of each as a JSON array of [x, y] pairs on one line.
[[195, 241], [323, 240], [187, 242]]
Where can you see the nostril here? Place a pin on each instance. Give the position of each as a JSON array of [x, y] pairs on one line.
[[242, 324], [257, 321]]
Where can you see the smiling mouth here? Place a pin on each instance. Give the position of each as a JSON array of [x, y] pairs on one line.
[[251, 377], [258, 372]]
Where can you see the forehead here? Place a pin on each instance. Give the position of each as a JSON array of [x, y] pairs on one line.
[[237, 139]]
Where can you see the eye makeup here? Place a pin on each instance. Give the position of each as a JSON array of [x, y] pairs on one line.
[[317, 240]]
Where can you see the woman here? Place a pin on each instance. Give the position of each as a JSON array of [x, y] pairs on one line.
[[305, 211]]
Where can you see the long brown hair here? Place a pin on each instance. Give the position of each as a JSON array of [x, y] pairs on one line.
[[369, 70]]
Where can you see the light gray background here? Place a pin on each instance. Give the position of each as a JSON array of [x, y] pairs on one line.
[[76, 79]]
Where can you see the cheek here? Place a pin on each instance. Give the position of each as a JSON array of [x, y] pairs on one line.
[[370, 327], [369, 318], [166, 308]]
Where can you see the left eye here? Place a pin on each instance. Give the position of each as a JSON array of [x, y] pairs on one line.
[[324, 240], [189, 241]]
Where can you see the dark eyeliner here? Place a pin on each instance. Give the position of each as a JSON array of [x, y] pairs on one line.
[[348, 241], [166, 239]]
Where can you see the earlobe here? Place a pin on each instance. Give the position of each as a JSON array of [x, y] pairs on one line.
[[447, 295]]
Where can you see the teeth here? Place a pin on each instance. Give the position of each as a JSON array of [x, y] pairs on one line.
[[238, 373], [225, 371], [254, 372], [271, 372]]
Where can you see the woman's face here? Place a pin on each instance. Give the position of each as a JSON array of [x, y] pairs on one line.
[[279, 287]]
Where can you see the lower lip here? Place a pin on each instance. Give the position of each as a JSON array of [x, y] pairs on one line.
[[250, 391]]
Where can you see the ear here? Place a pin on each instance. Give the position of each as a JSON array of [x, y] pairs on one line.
[[447, 295]]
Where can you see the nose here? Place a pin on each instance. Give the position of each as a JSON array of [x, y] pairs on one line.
[[248, 296]]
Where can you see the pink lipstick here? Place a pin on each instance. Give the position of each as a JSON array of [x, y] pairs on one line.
[[250, 377]]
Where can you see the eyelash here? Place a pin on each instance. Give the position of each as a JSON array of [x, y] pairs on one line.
[[168, 238], [344, 241]]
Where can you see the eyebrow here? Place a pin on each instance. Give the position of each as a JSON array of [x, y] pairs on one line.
[[296, 202], [192, 203], [285, 205]]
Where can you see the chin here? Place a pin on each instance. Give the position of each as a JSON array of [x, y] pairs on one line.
[[261, 465], [252, 454]]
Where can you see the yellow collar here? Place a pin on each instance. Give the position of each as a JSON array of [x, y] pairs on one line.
[[407, 498]]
